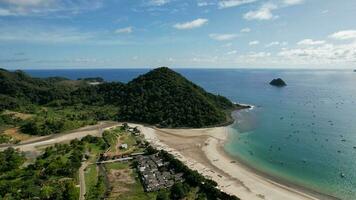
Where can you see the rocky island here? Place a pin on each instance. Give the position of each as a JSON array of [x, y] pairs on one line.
[[278, 82]]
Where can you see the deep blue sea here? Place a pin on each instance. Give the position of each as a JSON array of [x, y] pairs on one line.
[[304, 133]]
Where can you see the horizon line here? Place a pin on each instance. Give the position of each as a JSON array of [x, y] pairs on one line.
[[192, 68]]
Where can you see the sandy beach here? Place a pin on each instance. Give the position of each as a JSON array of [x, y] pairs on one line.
[[202, 150]]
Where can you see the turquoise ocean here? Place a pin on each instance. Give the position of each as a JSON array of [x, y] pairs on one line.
[[304, 133]]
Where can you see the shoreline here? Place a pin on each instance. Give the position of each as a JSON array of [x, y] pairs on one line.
[[276, 180], [203, 150]]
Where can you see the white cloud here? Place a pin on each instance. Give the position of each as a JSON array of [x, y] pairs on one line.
[[158, 2], [5, 12], [124, 30], [26, 2], [315, 54], [227, 45], [205, 3], [293, 2], [231, 52], [344, 35], [311, 42], [202, 4], [14, 60], [284, 43], [204, 59], [324, 54], [84, 60], [263, 13], [253, 58], [46, 7], [233, 3], [192, 24], [245, 30], [259, 55], [39, 34], [255, 42], [274, 43], [222, 37], [257, 59]]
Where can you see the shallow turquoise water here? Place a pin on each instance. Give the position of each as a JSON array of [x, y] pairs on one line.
[[304, 133]]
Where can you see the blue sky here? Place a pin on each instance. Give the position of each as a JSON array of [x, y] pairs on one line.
[[46, 34]]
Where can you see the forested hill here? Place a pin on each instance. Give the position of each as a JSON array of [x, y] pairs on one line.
[[164, 97], [161, 97]]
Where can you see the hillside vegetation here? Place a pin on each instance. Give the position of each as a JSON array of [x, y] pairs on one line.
[[160, 97]]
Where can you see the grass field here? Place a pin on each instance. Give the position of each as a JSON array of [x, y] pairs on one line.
[[111, 138], [117, 165], [94, 151], [136, 191], [91, 176], [125, 183]]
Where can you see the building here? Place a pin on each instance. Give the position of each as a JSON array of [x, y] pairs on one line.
[[123, 146], [155, 173]]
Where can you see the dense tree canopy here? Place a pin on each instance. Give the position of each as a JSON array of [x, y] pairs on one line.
[[161, 97], [51, 176], [10, 159]]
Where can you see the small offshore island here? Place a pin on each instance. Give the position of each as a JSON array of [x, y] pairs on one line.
[[278, 82], [177, 154]]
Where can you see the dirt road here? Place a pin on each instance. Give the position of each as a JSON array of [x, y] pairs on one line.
[[82, 181], [31, 145]]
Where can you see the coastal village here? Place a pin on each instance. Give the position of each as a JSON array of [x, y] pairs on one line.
[[127, 163], [154, 172], [133, 169]]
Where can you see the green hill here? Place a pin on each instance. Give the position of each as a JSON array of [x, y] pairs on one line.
[[19, 89], [161, 97], [164, 97]]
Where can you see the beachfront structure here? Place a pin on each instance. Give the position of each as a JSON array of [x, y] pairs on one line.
[[155, 174], [135, 131]]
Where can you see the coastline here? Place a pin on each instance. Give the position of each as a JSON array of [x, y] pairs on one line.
[[304, 191], [203, 150]]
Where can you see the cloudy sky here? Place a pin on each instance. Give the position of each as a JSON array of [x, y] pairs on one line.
[[177, 33]]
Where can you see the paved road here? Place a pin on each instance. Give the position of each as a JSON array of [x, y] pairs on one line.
[[115, 160], [95, 130]]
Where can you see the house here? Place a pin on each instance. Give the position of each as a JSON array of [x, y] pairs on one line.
[[123, 146]]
